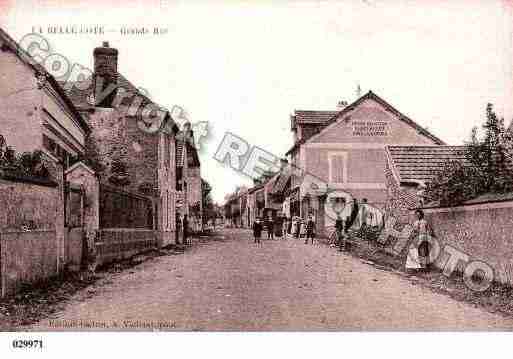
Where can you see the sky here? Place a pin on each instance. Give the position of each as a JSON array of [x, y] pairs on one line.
[[246, 66]]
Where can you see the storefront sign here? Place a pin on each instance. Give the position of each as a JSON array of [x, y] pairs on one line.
[[370, 128]]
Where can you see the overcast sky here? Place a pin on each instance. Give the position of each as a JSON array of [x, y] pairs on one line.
[[245, 66]]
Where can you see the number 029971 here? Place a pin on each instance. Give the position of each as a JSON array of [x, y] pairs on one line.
[[27, 344]]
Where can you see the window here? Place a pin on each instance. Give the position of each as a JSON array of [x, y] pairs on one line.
[[167, 153], [57, 150], [337, 163]]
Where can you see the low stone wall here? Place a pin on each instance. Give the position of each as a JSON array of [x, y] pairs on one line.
[[121, 243], [28, 205], [27, 257], [481, 231], [31, 231]]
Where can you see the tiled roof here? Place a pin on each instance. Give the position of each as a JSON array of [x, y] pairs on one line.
[[312, 117], [80, 92], [280, 183], [422, 163], [255, 188]]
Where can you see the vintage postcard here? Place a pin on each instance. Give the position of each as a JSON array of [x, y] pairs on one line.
[[247, 166]]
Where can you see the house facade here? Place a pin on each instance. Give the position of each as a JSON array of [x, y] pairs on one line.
[[36, 112], [129, 148], [342, 153], [189, 183]]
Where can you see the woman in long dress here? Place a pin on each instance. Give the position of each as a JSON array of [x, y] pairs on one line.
[[418, 254], [302, 229]]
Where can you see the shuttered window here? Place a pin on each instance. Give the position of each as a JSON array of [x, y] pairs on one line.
[[337, 168]]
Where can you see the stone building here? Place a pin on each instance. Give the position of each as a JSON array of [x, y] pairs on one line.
[[132, 143], [343, 152], [189, 183], [255, 206]]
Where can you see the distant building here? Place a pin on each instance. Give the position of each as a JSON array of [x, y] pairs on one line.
[[188, 168]]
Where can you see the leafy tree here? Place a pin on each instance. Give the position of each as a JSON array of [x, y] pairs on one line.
[[487, 167]]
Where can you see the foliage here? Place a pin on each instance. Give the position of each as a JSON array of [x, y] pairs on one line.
[[486, 169], [195, 209], [210, 209], [26, 163]]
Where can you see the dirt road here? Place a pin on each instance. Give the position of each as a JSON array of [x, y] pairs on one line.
[[233, 284]]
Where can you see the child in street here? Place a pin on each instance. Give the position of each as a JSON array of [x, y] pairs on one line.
[[302, 231], [310, 229], [257, 230]]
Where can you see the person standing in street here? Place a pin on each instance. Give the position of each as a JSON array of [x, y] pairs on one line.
[[270, 228], [302, 229], [178, 227], [285, 227], [310, 229], [339, 228], [418, 255], [257, 230], [353, 216], [185, 229]]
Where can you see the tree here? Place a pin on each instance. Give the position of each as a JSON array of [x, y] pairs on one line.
[[487, 167], [208, 204]]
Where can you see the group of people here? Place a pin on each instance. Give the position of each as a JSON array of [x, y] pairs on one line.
[[296, 227], [360, 220]]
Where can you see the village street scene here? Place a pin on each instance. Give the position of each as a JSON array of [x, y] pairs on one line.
[[368, 207]]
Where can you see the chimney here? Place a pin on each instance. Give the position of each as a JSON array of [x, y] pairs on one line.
[[341, 105], [283, 164], [105, 74]]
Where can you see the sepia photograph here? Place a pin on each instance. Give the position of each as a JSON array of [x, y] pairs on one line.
[[296, 168]]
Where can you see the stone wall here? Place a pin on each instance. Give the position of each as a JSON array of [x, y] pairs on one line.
[[482, 231], [122, 243], [26, 258], [27, 205], [116, 136], [33, 215]]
